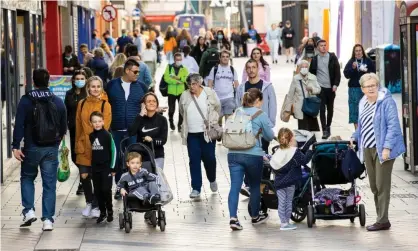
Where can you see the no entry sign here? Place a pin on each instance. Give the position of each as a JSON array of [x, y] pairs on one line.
[[109, 13]]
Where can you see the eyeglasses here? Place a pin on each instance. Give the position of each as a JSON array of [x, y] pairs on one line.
[[369, 86], [193, 83], [134, 72]]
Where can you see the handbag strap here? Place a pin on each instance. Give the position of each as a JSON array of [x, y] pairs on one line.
[[303, 91], [198, 108]]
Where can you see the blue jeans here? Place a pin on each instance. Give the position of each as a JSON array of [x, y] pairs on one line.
[[117, 138], [252, 166], [199, 150], [47, 160]]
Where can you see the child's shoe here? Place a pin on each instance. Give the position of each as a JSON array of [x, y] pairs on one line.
[[101, 218], [287, 226]]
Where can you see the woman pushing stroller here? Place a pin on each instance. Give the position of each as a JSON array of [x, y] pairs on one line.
[[287, 165]]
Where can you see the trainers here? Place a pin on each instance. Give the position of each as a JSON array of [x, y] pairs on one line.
[[194, 194], [214, 186], [109, 216], [245, 191], [28, 218], [80, 190], [118, 196], [101, 218], [285, 227], [154, 199], [235, 225], [48, 225], [87, 211], [95, 213], [172, 126], [262, 218]]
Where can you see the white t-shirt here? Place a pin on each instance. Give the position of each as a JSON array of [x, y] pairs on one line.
[[224, 81], [191, 64], [127, 88], [149, 55], [195, 121]]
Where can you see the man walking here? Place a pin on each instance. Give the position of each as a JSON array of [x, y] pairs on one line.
[[210, 59], [138, 40], [224, 79], [41, 119], [125, 95], [123, 41], [326, 68]]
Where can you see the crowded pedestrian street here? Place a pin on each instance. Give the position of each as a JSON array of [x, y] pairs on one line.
[[202, 223]]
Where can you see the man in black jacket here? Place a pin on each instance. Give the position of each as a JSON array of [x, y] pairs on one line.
[[326, 68]]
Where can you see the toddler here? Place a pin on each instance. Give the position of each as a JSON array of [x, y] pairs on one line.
[[287, 165]]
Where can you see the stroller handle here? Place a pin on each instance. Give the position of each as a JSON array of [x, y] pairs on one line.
[[334, 142], [122, 144]]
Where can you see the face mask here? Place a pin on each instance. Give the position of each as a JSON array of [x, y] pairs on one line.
[[220, 36], [68, 58], [304, 71], [178, 63], [80, 83]]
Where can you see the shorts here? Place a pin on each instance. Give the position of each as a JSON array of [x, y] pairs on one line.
[[227, 106]]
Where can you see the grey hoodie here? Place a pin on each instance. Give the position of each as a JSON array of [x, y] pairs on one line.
[[269, 100]]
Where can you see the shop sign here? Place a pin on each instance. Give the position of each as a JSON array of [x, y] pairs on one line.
[[59, 85], [109, 13], [118, 4]]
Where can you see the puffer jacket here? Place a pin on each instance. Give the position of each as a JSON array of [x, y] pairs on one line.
[[386, 126], [84, 128], [214, 109], [295, 92]]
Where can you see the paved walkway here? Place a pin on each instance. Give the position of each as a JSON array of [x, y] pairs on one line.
[[203, 224]]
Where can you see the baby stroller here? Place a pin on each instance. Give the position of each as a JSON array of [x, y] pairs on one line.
[[326, 168], [131, 203], [302, 196]]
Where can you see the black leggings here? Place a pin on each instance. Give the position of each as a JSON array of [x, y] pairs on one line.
[[172, 108]]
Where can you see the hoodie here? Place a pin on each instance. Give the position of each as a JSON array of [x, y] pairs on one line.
[[386, 126], [269, 100], [24, 120], [287, 166]]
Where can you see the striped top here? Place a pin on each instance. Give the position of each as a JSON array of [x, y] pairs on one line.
[[367, 135]]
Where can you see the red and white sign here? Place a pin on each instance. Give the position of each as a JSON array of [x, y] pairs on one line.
[[109, 13]]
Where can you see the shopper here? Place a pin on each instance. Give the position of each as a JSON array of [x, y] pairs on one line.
[[288, 34], [170, 44], [123, 41], [70, 61], [189, 62], [274, 36], [108, 54], [119, 60], [99, 66], [263, 66], [87, 56], [199, 49]]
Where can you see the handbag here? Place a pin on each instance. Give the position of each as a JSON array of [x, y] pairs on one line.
[[351, 166], [215, 131], [311, 105], [287, 109]]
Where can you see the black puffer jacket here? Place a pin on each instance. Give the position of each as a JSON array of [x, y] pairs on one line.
[[71, 101]]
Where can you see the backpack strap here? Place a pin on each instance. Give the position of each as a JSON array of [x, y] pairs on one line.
[[82, 104], [255, 115], [103, 104], [214, 75]]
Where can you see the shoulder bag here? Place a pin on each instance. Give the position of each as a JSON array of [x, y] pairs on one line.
[[311, 105], [214, 131]]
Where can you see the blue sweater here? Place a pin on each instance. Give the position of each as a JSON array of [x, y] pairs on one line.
[[353, 75], [124, 111], [100, 68], [24, 119]]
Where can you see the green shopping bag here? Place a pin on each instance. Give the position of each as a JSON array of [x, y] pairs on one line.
[[64, 166]]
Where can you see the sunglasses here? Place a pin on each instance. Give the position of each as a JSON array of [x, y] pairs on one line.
[[134, 72]]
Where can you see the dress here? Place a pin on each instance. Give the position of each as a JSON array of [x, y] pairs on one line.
[[308, 123]]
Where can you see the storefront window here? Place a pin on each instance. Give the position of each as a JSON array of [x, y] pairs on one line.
[[32, 42]]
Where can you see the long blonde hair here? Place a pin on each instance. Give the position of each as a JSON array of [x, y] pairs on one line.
[[106, 48], [90, 80], [119, 60]]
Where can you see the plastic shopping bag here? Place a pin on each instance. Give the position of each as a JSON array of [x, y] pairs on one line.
[[64, 165], [164, 187]]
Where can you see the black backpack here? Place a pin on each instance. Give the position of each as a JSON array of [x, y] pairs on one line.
[[163, 85], [211, 61], [46, 121]]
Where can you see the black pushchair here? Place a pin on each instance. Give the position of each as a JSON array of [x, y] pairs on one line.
[[326, 168], [130, 202], [302, 196]]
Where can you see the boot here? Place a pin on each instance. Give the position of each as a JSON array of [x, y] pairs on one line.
[[326, 133], [172, 127]]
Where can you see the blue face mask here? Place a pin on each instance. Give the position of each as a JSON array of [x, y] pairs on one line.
[[220, 36], [80, 83]]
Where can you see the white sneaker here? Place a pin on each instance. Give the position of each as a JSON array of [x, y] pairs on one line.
[[28, 218], [87, 211], [48, 225], [214, 186], [194, 194], [95, 213]]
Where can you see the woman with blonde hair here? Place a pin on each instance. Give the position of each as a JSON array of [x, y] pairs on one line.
[[208, 38], [119, 60], [170, 44], [108, 55], [96, 100]]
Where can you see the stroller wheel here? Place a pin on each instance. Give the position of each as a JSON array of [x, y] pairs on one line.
[[161, 220], [299, 214], [121, 221], [310, 216], [153, 218], [362, 215], [127, 227], [130, 218]]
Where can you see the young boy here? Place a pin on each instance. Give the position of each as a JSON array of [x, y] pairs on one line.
[[102, 163], [138, 181]]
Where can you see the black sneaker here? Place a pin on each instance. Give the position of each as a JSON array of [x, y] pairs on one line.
[[235, 225], [80, 189], [172, 127], [102, 218], [262, 218], [118, 196], [245, 191], [109, 216], [287, 61], [325, 135]]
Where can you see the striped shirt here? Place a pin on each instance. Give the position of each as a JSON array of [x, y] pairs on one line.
[[367, 135]]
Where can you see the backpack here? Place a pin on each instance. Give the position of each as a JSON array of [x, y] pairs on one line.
[[351, 166], [164, 86], [211, 61], [238, 134], [46, 121]]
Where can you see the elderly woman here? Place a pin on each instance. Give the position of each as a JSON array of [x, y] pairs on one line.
[[380, 142], [196, 102], [304, 84]]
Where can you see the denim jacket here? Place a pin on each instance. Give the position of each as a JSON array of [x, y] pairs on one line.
[[386, 125]]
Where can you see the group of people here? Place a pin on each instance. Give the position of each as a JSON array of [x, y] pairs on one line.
[[102, 110]]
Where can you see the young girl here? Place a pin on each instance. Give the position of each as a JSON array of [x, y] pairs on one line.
[[287, 165]]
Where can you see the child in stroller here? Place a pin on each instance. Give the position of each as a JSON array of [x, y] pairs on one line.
[[287, 165]]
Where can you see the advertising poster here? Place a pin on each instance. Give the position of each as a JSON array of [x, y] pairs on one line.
[[59, 85]]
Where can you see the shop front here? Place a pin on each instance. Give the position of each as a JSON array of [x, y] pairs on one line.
[[21, 53]]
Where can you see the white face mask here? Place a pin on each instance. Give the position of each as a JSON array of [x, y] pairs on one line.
[[304, 71], [178, 63]]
